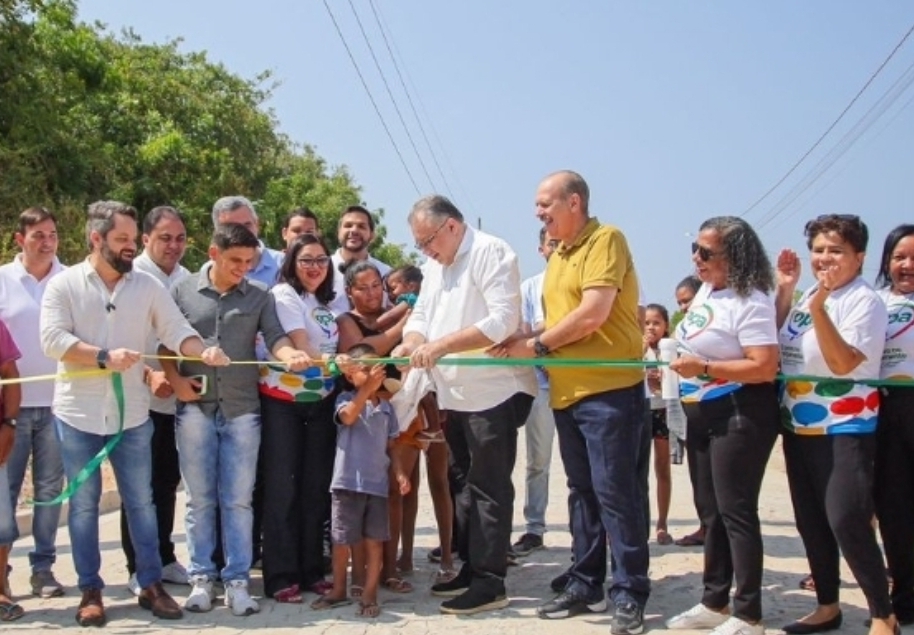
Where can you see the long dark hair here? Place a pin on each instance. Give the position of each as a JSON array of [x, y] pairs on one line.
[[884, 277], [289, 272], [659, 308]]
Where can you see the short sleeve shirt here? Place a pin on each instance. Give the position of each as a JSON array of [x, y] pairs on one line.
[[361, 461], [898, 356], [8, 351]]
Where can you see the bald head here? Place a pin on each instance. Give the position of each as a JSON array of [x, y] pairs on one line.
[[570, 182]]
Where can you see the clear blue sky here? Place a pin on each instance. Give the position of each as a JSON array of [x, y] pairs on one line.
[[673, 111]]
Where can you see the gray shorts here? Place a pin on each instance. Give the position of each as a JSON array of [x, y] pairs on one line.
[[355, 516]]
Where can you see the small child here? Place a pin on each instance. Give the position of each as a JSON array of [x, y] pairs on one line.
[[656, 327], [359, 515]]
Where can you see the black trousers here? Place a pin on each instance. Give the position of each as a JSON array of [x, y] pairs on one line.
[[831, 485], [894, 484], [297, 448], [729, 442], [166, 476], [483, 448]]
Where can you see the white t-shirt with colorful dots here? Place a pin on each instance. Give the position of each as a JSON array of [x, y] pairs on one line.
[[898, 356], [295, 312], [718, 326], [833, 407]]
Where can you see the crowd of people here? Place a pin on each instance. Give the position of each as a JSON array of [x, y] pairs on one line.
[[252, 381]]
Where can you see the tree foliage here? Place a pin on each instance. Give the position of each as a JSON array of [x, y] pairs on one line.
[[88, 115]]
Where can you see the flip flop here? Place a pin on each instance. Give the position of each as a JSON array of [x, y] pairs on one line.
[[398, 585], [323, 603], [691, 540], [663, 537], [368, 609], [289, 595], [10, 611]]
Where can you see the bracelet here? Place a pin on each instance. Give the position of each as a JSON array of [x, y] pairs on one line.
[[707, 361]]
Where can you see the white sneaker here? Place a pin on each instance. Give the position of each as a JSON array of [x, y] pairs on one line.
[[699, 617], [239, 600], [201, 596], [175, 573], [134, 585], [736, 626]]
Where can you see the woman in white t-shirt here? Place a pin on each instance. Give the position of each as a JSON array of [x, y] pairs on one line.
[[836, 330], [298, 436], [728, 362], [895, 432]]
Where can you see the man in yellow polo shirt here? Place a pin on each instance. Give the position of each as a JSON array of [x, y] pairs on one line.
[[590, 295]]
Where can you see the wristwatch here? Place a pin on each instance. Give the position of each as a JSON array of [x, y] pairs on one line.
[[539, 349], [101, 358], [10, 421]]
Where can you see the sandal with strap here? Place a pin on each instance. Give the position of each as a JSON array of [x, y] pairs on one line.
[[356, 590], [398, 585], [368, 609], [323, 603], [10, 611], [289, 595]]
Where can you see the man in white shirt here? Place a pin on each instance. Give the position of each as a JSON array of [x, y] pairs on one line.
[[164, 243], [99, 315], [238, 209], [22, 285], [355, 233], [470, 300], [540, 426]]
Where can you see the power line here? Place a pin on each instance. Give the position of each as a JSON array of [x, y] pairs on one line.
[[833, 124], [877, 110], [391, 95], [371, 98], [435, 136], [409, 99]]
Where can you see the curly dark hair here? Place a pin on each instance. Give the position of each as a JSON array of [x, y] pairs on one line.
[[749, 265], [289, 271], [849, 227]]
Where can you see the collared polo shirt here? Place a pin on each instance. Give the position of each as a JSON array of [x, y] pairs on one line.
[[599, 257], [231, 321]]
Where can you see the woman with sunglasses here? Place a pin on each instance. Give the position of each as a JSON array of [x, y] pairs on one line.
[[298, 438], [836, 330], [728, 342], [895, 432]]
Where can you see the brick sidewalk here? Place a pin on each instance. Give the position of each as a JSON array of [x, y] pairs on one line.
[[675, 572]]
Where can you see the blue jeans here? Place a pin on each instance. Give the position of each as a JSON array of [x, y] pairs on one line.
[[218, 459], [37, 438], [540, 433], [600, 442], [8, 529], [132, 463]]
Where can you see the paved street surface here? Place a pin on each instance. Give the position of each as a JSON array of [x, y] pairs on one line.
[[675, 572]]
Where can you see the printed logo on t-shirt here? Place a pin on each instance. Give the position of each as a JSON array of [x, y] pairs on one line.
[[323, 317], [901, 318], [696, 321], [799, 323]]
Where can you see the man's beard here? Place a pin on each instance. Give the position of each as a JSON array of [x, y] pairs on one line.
[[119, 264]]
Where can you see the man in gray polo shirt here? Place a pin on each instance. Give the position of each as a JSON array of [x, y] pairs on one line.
[[218, 413]]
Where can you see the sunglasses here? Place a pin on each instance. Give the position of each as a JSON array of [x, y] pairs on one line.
[[704, 254]]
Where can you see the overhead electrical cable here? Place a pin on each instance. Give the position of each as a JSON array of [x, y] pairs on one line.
[[409, 98], [371, 98], [818, 141]]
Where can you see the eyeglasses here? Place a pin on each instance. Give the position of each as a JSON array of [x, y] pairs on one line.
[[425, 242], [704, 254], [311, 263]]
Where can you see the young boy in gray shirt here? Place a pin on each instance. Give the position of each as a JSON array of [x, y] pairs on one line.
[[359, 516]]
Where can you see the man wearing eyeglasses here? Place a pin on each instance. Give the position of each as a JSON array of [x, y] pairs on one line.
[[355, 233], [591, 294], [470, 300]]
